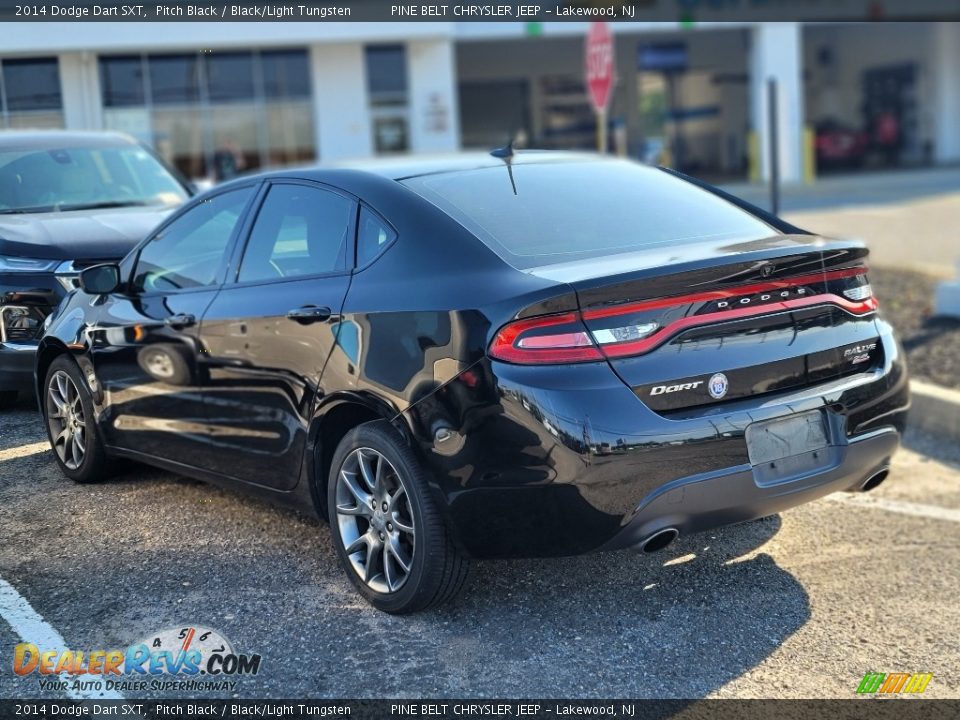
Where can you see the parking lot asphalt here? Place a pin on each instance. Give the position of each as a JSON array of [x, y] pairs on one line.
[[797, 605]]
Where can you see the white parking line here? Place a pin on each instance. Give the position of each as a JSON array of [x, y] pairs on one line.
[[24, 450], [31, 627], [898, 506]]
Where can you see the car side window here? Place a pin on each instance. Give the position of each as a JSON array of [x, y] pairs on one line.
[[373, 236], [188, 252], [299, 231]]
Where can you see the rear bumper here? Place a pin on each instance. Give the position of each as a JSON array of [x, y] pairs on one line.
[[562, 460], [16, 366], [696, 504]]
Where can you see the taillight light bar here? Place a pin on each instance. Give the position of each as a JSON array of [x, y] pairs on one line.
[[569, 338], [564, 340]]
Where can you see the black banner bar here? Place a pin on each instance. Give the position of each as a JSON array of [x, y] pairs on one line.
[[686, 12], [866, 708]]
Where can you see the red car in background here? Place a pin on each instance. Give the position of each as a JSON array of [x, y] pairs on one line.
[[839, 145]]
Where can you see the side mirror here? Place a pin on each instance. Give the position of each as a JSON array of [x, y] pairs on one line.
[[100, 279]]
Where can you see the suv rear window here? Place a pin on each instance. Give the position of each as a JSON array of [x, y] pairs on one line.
[[575, 210]]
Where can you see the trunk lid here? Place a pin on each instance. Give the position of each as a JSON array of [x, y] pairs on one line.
[[703, 324]]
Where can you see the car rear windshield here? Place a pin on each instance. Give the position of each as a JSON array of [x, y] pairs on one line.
[[558, 212], [79, 178]]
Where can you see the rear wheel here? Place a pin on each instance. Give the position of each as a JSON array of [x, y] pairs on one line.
[[68, 411], [388, 532]]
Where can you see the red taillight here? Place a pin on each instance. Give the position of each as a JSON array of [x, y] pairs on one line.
[[547, 339], [629, 329]]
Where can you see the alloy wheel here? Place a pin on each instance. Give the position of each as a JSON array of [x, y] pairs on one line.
[[65, 419], [375, 520]]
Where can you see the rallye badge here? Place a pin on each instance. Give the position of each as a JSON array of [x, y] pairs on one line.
[[860, 353]]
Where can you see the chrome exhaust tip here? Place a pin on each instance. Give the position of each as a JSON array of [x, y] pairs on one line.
[[659, 540], [875, 480]]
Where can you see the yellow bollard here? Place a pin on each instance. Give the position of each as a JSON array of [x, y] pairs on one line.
[[666, 156], [809, 156], [753, 156]]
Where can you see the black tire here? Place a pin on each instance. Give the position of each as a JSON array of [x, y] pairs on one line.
[[93, 464], [437, 570], [8, 398]]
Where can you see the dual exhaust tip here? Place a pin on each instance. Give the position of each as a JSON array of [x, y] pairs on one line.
[[658, 540], [662, 538], [876, 479]]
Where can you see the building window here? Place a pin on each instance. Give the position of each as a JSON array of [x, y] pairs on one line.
[[214, 114], [230, 77], [234, 114], [567, 118], [493, 112], [387, 74], [174, 79], [289, 121], [121, 79], [389, 102], [285, 74], [30, 93], [178, 135]]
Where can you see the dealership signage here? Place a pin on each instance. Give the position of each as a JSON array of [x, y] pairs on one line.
[[665, 57]]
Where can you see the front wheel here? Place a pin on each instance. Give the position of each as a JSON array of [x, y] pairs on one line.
[[68, 410], [387, 530]]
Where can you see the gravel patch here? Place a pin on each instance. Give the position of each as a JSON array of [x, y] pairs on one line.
[[932, 343]]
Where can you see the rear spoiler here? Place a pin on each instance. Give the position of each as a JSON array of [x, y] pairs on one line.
[[769, 218]]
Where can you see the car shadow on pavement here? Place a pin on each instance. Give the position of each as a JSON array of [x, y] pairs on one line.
[[681, 623]]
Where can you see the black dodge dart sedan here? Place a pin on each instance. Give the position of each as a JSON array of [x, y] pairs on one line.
[[508, 355]]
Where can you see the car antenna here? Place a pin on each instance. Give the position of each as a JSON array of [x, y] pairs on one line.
[[505, 153]]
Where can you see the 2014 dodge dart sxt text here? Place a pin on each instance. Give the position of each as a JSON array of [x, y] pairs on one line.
[[531, 354]]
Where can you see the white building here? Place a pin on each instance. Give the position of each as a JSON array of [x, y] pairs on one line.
[[281, 93]]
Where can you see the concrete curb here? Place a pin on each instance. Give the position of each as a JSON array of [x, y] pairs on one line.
[[935, 409]]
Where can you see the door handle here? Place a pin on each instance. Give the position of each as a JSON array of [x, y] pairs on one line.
[[181, 320], [309, 314]]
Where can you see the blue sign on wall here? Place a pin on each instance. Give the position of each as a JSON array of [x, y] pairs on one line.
[[662, 56]]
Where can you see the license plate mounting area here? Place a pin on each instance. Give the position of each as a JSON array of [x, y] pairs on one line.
[[788, 447]]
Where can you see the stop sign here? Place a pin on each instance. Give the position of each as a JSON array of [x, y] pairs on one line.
[[599, 65]]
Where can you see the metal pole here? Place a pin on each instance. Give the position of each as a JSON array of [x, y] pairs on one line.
[[773, 146], [676, 145], [602, 132]]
